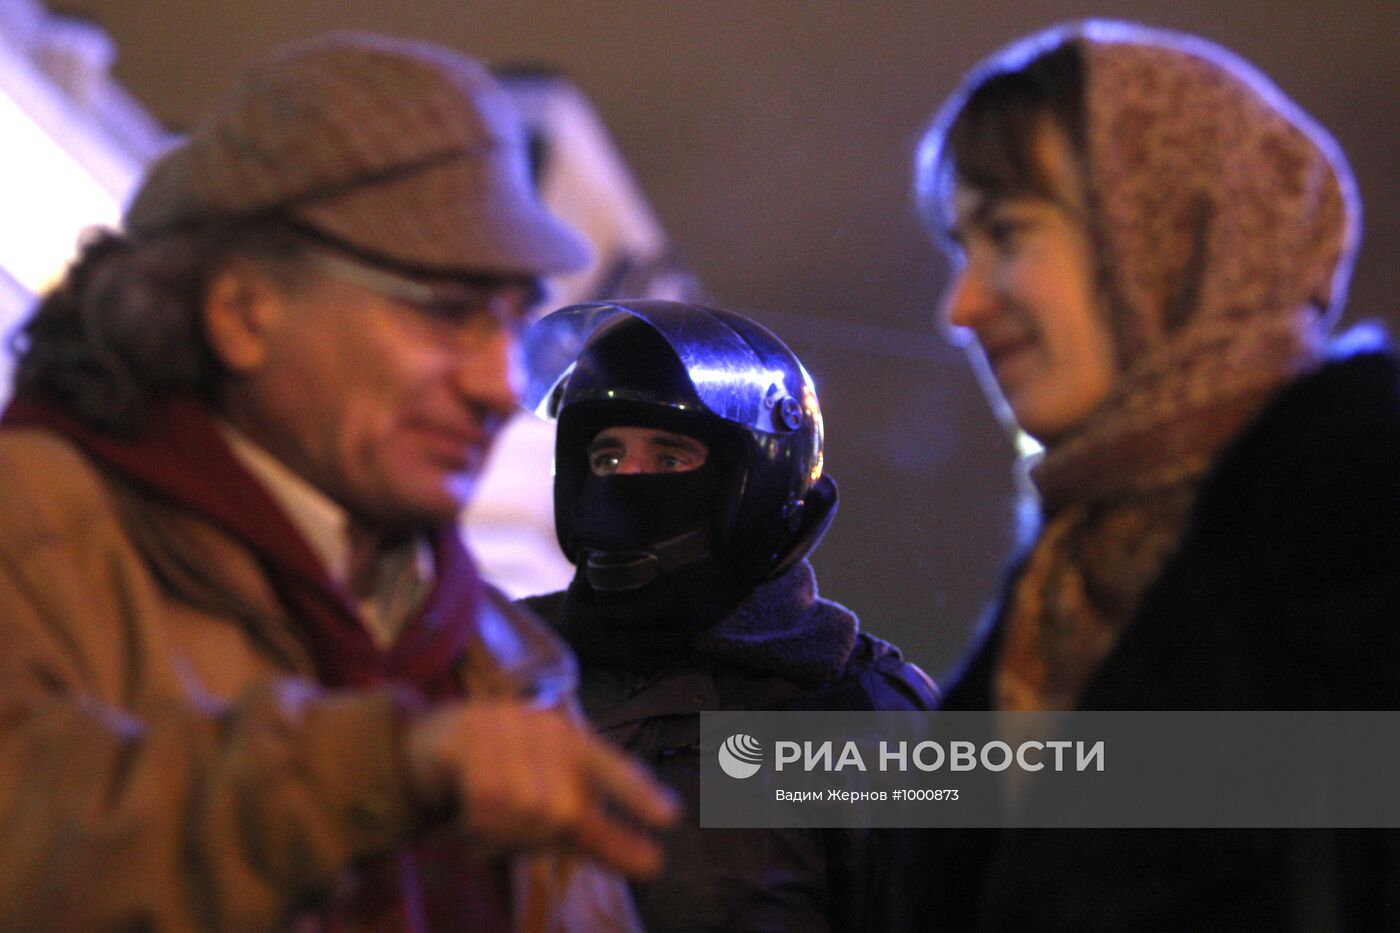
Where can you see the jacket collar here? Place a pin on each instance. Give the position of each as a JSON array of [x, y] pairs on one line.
[[782, 628], [182, 458], [1336, 408], [786, 628]]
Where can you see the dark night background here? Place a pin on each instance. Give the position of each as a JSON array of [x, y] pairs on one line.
[[774, 139]]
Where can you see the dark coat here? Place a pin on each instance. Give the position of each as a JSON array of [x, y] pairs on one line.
[[783, 648], [1284, 594]]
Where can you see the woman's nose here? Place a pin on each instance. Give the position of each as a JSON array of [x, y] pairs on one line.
[[966, 304]]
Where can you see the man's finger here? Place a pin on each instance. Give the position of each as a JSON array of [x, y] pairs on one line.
[[616, 846], [629, 788]]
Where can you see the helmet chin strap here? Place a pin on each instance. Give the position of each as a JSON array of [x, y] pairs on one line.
[[620, 571]]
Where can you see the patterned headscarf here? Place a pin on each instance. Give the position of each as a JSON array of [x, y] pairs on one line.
[[1224, 222]]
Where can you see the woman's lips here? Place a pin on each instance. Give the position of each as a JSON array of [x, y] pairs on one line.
[[1006, 354]]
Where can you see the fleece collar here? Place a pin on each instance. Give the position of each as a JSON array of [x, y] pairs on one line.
[[785, 627]]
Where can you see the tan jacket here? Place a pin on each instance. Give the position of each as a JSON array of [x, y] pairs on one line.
[[169, 761]]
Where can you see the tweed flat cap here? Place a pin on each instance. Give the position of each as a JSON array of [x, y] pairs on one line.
[[404, 150]]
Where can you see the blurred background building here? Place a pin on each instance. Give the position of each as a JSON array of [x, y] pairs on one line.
[[771, 142], [72, 144]]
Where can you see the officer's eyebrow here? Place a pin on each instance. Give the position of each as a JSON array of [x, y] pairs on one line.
[[680, 442], [604, 441]]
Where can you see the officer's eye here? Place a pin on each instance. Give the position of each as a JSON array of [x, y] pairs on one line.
[[604, 462]]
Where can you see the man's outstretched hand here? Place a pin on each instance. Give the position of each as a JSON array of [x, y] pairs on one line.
[[525, 778]]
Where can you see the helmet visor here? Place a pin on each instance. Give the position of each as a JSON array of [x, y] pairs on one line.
[[740, 376]]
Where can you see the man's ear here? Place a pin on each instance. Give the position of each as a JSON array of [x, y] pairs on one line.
[[242, 306]]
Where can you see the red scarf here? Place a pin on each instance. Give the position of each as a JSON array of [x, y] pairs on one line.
[[182, 456]]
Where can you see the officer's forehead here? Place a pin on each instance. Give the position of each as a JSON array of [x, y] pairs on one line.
[[625, 434]]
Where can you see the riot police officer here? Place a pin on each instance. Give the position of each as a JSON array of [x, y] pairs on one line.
[[689, 489]]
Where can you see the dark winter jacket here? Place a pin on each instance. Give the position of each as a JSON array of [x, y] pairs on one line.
[[782, 648], [1284, 594]]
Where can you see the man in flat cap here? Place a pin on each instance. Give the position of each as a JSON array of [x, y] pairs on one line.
[[250, 678]]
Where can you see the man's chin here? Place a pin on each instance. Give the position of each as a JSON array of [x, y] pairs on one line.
[[438, 503], [438, 510]]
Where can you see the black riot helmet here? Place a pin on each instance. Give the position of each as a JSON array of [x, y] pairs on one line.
[[704, 372]]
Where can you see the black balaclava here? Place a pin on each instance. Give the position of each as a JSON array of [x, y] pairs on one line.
[[650, 626]]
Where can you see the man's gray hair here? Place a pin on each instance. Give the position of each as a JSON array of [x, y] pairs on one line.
[[125, 324]]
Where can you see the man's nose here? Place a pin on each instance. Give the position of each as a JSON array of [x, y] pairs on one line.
[[631, 463], [489, 373]]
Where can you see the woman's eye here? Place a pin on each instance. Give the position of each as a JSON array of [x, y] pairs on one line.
[[1005, 232]]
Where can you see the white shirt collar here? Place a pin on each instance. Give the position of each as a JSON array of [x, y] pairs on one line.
[[323, 523], [325, 526]]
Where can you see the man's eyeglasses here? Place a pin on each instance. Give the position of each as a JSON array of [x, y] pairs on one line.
[[506, 301]]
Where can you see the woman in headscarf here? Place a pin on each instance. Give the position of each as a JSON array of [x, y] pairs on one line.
[[1151, 244]]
